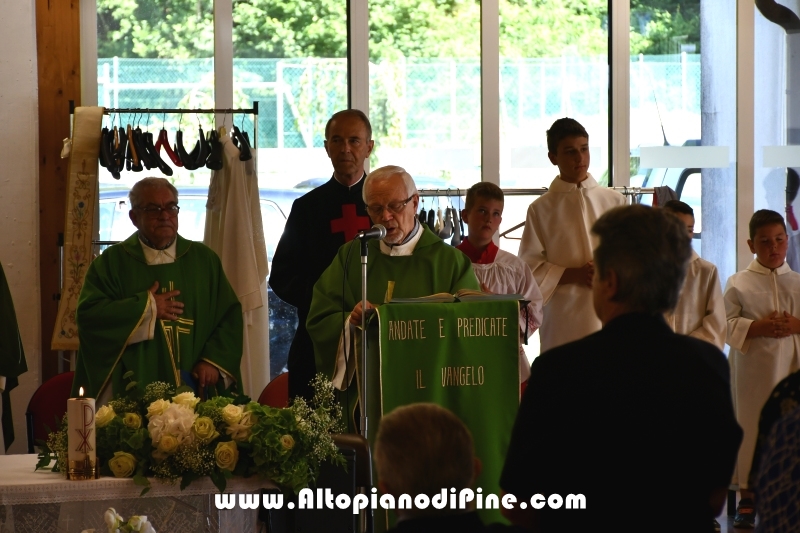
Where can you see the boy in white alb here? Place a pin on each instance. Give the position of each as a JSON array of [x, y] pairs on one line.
[[498, 271], [762, 305], [557, 242], [700, 312]]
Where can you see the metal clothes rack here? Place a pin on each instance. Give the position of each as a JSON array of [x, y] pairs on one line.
[[150, 111], [624, 190], [177, 111]]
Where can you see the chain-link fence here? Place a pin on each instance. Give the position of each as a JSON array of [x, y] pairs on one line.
[[413, 102]]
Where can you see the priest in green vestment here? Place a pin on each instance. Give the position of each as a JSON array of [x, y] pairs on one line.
[[409, 262], [12, 359], [158, 305]]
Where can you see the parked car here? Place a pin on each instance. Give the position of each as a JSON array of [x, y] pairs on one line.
[[115, 225]]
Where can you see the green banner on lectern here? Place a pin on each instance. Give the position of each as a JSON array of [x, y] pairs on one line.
[[462, 356]]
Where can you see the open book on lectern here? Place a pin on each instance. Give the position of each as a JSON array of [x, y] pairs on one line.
[[462, 295]]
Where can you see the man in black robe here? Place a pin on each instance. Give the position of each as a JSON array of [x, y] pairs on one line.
[[318, 225]]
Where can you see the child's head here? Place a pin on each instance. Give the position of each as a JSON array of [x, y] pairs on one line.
[[568, 148], [483, 212], [768, 238], [683, 212]]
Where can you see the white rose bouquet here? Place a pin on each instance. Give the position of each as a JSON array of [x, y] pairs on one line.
[[172, 435]]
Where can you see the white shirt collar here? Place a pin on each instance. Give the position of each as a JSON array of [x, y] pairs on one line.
[[758, 268], [160, 257], [403, 249], [560, 185]]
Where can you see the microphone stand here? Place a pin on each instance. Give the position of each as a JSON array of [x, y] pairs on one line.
[[366, 514], [363, 399]]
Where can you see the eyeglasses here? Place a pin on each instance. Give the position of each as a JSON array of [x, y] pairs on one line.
[[394, 207], [155, 211]]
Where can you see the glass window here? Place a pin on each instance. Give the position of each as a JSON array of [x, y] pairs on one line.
[[155, 54], [425, 80], [777, 126], [291, 57], [553, 64], [683, 112]]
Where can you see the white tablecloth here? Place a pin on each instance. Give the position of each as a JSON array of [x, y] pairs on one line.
[[41, 501]]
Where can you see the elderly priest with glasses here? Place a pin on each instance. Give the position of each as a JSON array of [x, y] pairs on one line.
[[158, 305], [410, 261]]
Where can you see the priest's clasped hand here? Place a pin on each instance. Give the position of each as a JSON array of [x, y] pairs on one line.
[[355, 316], [166, 307]]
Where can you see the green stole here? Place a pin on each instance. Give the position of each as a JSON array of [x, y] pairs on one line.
[[462, 356]]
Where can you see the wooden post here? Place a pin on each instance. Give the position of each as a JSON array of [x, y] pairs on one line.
[[58, 59]]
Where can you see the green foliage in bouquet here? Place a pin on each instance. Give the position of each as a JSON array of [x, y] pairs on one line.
[[171, 435]]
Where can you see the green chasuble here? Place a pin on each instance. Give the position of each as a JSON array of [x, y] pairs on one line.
[[432, 267], [12, 356], [113, 304]]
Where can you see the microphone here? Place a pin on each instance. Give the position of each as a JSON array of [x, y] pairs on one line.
[[375, 232]]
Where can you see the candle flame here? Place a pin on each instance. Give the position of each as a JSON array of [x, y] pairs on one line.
[[80, 392]]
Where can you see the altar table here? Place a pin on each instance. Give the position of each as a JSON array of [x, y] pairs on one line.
[[43, 502]]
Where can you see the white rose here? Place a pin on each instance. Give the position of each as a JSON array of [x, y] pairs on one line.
[[157, 408], [112, 519], [138, 523], [241, 430], [186, 398], [232, 414], [104, 416]]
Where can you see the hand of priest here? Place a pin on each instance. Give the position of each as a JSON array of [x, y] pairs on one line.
[[166, 307], [206, 374], [355, 316]]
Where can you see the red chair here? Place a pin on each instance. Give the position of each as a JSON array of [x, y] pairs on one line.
[[276, 393], [47, 407]]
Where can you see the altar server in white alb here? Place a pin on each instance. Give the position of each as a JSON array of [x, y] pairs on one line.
[[498, 271], [700, 312], [762, 305], [557, 242]]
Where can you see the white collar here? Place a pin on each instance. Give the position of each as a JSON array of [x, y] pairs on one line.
[[403, 249], [160, 257], [560, 185], [758, 268]]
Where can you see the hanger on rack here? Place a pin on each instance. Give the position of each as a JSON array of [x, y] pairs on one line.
[[188, 159], [244, 145], [214, 160], [163, 142], [133, 154]]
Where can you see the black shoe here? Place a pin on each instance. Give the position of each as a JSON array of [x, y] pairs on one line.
[[745, 514], [717, 527]]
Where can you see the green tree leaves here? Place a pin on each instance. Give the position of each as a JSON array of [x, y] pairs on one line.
[[398, 28]]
